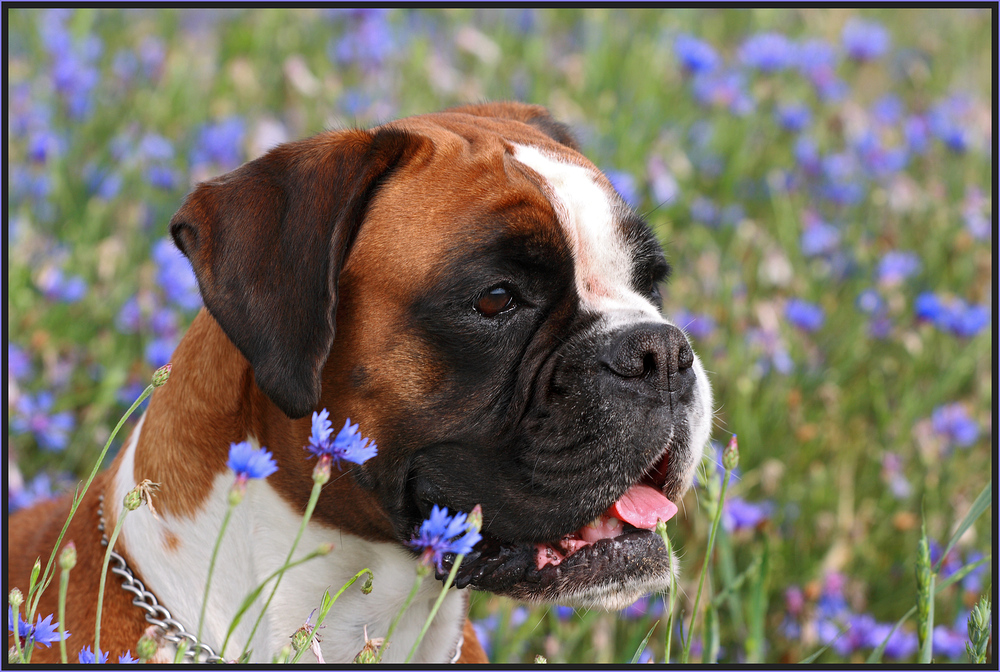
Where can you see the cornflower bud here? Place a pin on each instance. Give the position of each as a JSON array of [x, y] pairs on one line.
[[368, 653], [162, 375], [133, 499], [731, 455], [475, 519], [300, 640], [36, 569], [147, 646], [369, 580], [16, 598], [540, 660], [67, 559], [321, 472]]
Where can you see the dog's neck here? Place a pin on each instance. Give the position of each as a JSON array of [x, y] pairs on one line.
[[211, 400]]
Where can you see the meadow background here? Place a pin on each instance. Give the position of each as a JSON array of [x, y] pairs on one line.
[[821, 179]]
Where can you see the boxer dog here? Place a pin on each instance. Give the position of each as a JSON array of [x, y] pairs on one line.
[[471, 291]]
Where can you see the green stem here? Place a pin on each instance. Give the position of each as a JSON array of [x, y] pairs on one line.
[[313, 498], [399, 614], [672, 598], [104, 576], [46, 576], [63, 589], [704, 567], [437, 605], [211, 566], [325, 609], [17, 637]]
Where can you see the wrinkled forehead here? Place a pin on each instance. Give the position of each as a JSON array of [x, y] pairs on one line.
[[602, 232]]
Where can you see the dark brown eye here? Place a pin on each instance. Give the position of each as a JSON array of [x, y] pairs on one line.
[[495, 301]]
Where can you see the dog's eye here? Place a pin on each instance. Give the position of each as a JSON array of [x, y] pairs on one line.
[[495, 301]]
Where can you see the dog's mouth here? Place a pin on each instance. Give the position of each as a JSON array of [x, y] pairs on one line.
[[611, 561]]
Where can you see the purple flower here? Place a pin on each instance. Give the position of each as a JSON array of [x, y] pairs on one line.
[[647, 606], [159, 350], [975, 214], [877, 160], [662, 182], [369, 40], [625, 185], [87, 657], [155, 147], [807, 155], [896, 266], [804, 315], [32, 414], [739, 514], [44, 632], [972, 582], [38, 489], [864, 40], [441, 534], [775, 354], [249, 462], [43, 145], [952, 315], [953, 422], [695, 325], [57, 287], [817, 61], [220, 144], [694, 54], [161, 177], [564, 613], [794, 600], [818, 238], [705, 211], [948, 120], [892, 473], [127, 659], [129, 318], [888, 109], [841, 180], [948, 643], [793, 116], [767, 52], [719, 88], [103, 183], [348, 445], [18, 362], [916, 132], [175, 275]]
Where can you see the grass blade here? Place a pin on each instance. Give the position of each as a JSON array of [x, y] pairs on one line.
[[978, 507], [642, 645]]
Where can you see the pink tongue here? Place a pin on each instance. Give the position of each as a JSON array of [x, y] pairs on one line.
[[642, 506]]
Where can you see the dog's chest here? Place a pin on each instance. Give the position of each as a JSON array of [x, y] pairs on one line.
[[172, 556]]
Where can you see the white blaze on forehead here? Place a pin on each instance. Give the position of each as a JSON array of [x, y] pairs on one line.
[[589, 214]]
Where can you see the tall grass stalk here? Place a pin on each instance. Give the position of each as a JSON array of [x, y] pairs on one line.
[[730, 460], [661, 529], [160, 377], [422, 571], [327, 603], [211, 563], [310, 507], [437, 605], [67, 560]]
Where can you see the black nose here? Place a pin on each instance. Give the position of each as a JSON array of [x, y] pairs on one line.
[[652, 356]]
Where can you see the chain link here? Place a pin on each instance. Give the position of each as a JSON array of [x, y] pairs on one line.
[[156, 613]]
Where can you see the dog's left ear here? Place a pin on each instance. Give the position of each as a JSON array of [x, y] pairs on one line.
[[268, 241]]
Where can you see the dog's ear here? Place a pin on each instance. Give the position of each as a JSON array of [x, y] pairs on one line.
[[268, 241], [533, 115]]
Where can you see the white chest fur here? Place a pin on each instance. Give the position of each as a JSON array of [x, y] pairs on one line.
[[172, 555]]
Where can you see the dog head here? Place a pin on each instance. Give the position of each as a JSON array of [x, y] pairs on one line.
[[474, 293]]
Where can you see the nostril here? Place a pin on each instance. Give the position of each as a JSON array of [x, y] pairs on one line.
[[685, 357], [649, 364]]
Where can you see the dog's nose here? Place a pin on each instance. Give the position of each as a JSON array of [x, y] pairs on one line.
[[652, 354]]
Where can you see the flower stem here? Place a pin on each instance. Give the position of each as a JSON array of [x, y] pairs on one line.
[[437, 605], [211, 566], [17, 638], [63, 589], [685, 653], [662, 529], [104, 576], [77, 499], [313, 498], [327, 603], [399, 614]]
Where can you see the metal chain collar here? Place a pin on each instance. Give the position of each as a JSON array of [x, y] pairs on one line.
[[156, 613]]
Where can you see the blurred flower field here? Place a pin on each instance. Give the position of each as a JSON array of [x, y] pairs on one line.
[[821, 179]]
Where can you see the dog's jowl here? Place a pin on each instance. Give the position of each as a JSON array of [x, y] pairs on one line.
[[471, 291]]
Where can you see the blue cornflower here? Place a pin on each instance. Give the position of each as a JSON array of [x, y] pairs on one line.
[[793, 117], [127, 659], [18, 362], [953, 422], [696, 325], [948, 642], [348, 445], [159, 350], [625, 185], [916, 132], [129, 318], [694, 54], [952, 314], [807, 155], [888, 109], [818, 237], [768, 52], [155, 147], [704, 211], [441, 534], [161, 177], [739, 514], [101, 182], [175, 275], [817, 61], [892, 473], [973, 581], [646, 606], [220, 144], [22, 495], [87, 657], [864, 40], [32, 415], [720, 88], [896, 266], [368, 42], [152, 53], [44, 632], [563, 613], [164, 322], [804, 315], [57, 287], [976, 214], [774, 353], [249, 462], [948, 120], [870, 302]]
